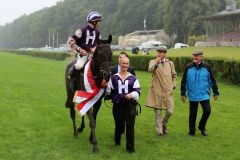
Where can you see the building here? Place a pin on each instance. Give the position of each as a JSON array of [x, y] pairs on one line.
[[222, 28], [136, 38]]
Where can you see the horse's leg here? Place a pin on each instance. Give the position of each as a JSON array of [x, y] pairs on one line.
[[73, 114], [82, 126], [96, 108], [92, 124]]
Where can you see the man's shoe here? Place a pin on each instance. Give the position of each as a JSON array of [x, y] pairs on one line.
[[117, 144], [191, 133], [131, 151], [165, 131], [203, 132], [160, 134]]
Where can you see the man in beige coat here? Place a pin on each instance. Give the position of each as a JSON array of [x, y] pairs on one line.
[[160, 96]]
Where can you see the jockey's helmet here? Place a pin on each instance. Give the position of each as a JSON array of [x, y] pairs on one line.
[[94, 16]]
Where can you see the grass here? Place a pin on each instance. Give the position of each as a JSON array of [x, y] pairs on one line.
[[34, 124]]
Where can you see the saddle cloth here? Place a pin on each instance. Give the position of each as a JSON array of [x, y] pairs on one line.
[[86, 99]]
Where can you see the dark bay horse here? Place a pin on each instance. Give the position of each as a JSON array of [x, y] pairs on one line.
[[100, 67]]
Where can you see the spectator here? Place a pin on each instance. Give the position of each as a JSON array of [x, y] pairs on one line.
[[160, 96], [196, 81]]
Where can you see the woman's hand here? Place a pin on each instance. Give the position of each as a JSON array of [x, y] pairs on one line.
[[128, 96]]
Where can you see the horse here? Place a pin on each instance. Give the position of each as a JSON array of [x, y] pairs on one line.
[[100, 67]]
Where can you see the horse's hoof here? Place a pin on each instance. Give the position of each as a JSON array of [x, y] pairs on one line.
[[75, 134], [95, 150], [80, 129], [90, 139]]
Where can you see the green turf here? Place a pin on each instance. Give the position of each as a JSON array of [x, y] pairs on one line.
[[34, 124]]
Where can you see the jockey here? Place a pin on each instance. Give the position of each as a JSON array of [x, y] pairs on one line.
[[84, 41]]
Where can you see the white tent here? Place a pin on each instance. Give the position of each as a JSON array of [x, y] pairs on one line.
[[180, 45]]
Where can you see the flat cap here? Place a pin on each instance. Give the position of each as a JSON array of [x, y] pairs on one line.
[[198, 52], [162, 48]]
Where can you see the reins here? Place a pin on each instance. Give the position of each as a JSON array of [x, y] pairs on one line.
[[140, 108]]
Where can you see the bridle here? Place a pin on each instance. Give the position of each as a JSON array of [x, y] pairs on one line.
[[104, 65]]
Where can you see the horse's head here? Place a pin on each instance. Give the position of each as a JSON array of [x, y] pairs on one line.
[[102, 59]]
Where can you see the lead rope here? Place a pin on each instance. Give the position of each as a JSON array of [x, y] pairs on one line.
[[140, 108]]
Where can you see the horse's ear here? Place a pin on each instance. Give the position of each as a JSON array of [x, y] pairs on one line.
[[106, 41], [109, 38]]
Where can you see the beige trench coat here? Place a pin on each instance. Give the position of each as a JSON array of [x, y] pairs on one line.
[[163, 81]]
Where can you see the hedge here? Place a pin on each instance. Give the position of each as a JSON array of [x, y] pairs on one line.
[[225, 70], [49, 55]]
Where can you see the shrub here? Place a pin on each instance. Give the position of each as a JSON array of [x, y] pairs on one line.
[[193, 39], [226, 70], [49, 55]]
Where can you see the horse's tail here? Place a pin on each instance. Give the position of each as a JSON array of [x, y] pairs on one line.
[[70, 94], [69, 101]]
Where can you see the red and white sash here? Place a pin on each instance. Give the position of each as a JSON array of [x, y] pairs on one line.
[[86, 99]]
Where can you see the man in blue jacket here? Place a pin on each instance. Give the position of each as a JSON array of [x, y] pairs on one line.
[[197, 81]]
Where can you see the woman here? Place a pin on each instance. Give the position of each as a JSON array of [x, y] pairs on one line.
[[125, 91]]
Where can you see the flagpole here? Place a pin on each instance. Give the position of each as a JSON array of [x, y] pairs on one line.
[[144, 24]]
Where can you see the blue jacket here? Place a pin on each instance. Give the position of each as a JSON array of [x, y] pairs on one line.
[[197, 81]]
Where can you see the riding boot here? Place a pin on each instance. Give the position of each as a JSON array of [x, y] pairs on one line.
[[81, 61]]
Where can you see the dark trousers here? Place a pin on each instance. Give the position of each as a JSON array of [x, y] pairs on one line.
[[193, 115], [124, 115]]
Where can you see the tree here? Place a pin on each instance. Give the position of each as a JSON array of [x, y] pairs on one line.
[[119, 17], [179, 16]]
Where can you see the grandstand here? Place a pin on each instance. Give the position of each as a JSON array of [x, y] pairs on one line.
[[222, 28]]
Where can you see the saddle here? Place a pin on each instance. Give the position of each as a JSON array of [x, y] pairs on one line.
[[74, 77]]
